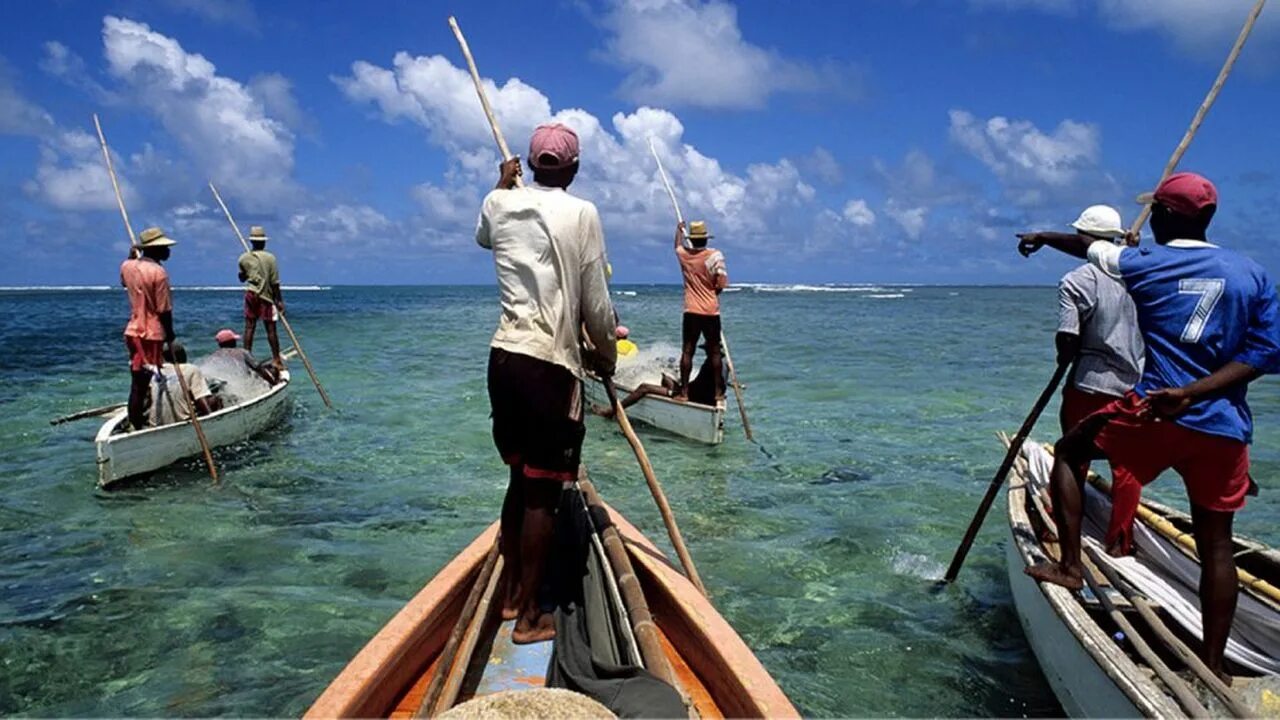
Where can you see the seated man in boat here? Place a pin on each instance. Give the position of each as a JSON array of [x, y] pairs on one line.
[[702, 389], [168, 405], [241, 358], [534, 358], [626, 348], [705, 277], [1098, 334], [1211, 324], [150, 315]]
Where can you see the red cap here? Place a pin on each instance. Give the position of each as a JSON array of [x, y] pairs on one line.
[[1185, 193], [226, 335], [553, 146]]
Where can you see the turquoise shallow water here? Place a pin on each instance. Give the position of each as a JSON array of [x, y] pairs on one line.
[[875, 411]]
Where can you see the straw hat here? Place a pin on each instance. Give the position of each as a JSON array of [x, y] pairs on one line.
[[698, 230], [154, 237], [257, 234]]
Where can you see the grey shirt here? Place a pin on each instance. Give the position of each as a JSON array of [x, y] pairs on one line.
[[1097, 307]]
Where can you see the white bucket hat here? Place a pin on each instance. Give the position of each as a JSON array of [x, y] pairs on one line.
[[1100, 220]]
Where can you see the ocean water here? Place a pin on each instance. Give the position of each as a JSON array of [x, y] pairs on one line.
[[875, 410]]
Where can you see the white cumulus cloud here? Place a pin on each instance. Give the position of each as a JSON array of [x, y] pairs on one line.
[[691, 52], [1033, 164], [218, 122], [858, 214], [618, 173]]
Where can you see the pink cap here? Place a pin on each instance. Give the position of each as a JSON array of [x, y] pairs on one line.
[[553, 146], [1185, 193], [226, 335], [622, 332]]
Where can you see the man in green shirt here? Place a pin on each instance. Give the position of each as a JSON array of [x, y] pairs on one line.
[[262, 296]]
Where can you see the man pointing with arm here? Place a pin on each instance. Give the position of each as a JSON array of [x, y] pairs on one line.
[[1211, 324]]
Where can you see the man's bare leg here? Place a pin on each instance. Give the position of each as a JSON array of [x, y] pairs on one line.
[[1066, 492], [1218, 584], [509, 543], [250, 324], [274, 341], [536, 533]]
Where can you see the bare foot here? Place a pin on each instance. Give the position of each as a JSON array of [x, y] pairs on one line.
[[1052, 572], [1116, 550], [541, 628], [602, 411], [1225, 678], [680, 397]]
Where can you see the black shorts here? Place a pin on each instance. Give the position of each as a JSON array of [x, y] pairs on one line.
[[706, 326], [537, 415]]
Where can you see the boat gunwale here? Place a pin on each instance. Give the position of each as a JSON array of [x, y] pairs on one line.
[[404, 648], [1146, 695], [107, 435]]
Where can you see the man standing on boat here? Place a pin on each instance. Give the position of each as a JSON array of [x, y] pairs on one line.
[[262, 296], [548, 249], [1098, 333], [1211, 323], [705, 277], [150, 316]]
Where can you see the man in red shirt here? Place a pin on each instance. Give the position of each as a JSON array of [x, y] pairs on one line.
[[705, 277], [150, 316]]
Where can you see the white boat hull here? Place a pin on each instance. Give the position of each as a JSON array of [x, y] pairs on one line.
[[124, 455], [704, 423], [1089, 673]]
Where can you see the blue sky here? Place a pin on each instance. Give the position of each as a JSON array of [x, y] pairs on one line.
[[869, 141]]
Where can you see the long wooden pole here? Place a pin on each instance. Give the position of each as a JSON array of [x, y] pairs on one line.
[[646, 630], [484, 99], [1235, 704], [91, 412], [655, 488], [724, 340], [1200, 113], [998, 480], [177, 369], [283, 319], [450, 651]]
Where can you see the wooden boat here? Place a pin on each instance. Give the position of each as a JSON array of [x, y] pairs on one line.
[[448, 643], [1094, 665], [126, 454], [704, 423]]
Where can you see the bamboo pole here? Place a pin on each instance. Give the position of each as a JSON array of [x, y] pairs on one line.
[[724, 340], [133, 242], [1010, 455], [1200, 114], [655, 488], [1235, 704], [450, 650], [306, 362], [642, 623], [484, 99], [737, 388], [91, 412]]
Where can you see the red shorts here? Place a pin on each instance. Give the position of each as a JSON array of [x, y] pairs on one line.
[[1079, 404], [144, 352], [1215, 469], [255, 308]]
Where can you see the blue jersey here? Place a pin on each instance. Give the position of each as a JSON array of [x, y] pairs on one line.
[[1199, 308]]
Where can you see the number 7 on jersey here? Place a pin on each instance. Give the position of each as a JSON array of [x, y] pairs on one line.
[[1210, 291]]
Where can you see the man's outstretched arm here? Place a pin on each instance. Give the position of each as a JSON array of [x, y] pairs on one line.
[[1069, 243]]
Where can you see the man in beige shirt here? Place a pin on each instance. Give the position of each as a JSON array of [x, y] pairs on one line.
[[548, 250]]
